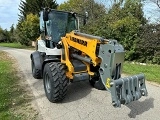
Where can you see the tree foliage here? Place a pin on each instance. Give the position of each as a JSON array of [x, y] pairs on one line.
[[95, 11], [80, 6], [29, 29], [4, 35], [28, 25], [122, 23], [12, 33], [148, 46], [126, 27], [34, 6]]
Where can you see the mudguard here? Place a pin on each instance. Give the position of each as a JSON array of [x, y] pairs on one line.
[[49, 60], [37, 59]]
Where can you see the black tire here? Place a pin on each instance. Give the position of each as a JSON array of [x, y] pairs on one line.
[[36, 73], [97, 83], [55, 81]]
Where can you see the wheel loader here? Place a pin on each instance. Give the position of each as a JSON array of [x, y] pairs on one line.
[[65, 55]]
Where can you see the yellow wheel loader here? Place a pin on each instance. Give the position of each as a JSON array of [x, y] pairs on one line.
[[64, 55]]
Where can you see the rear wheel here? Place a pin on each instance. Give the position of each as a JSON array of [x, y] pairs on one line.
[[55, 81], [35, 72]]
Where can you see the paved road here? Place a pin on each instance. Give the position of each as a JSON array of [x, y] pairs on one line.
[[84, 102]]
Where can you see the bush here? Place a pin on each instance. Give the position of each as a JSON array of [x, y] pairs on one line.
[[148, 46]]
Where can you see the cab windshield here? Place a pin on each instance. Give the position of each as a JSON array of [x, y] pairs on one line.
[[59, 24]]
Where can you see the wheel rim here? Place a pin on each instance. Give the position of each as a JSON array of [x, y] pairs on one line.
[[47, 83]]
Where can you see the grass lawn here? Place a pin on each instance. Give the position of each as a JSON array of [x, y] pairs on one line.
[[152, 72], [13, 102], [16, 45]]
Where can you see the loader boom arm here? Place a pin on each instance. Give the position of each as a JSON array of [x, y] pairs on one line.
[[109, 56], [84, 44]]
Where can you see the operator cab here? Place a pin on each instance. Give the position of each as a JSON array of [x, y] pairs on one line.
[[55, 24]]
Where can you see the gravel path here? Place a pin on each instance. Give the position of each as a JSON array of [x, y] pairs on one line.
[[83, 102]]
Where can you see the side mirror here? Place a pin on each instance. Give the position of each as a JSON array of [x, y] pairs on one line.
[[85, 18], [45, 14], [86, 15]]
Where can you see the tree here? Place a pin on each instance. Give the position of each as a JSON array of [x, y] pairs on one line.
[[12, 29], [34, 7], [12, 33], [123, 24], [4, 35], [29, 29], [96, 12], [148, 46], [28, 25], [81, 6], [134, 8]]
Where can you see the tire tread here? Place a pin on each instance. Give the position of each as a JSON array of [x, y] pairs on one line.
[[59, 80]]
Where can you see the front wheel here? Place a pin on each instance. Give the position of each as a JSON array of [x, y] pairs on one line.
[[55, 81]]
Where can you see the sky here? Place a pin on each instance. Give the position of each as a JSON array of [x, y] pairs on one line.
[[9, 12]]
